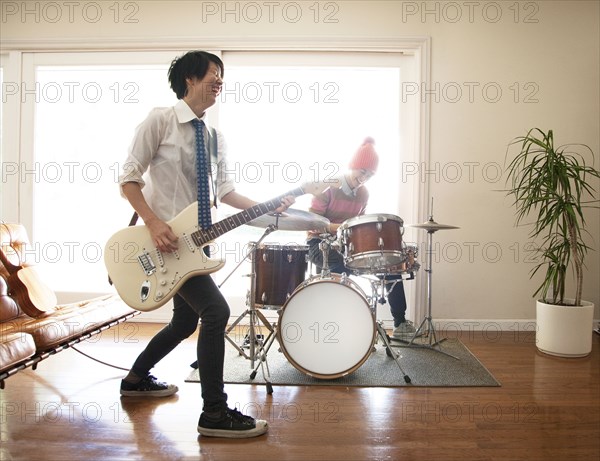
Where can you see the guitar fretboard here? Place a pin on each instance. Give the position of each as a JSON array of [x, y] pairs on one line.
[[202, 236]]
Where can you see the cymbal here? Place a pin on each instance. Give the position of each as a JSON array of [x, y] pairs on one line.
[[432, 226], [292, 220]]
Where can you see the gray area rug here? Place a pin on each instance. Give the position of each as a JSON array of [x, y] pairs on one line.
[[424, 367]]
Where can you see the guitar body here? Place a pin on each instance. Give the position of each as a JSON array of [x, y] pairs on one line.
[[30, 292], [32, 295], [144, 277]]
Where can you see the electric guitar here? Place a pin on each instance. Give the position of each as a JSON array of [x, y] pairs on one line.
[[145, 278]]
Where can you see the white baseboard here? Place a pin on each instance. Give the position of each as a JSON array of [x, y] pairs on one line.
[[466, 325], [490, 327]]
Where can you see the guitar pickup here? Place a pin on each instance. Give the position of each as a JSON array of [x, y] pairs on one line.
[[147, 264], [188, 241]]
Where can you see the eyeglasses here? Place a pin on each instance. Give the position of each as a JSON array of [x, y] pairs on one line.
[[367, 174]]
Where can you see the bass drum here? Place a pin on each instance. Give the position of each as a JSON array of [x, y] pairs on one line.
[[326, 328]]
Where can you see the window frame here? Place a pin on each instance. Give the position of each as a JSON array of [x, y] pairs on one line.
[[17, 122]]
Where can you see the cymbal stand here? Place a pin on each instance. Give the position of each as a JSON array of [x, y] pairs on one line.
[[256, 349], [426, 328]]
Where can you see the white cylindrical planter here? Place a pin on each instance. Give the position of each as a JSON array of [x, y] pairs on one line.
[[565, 331]]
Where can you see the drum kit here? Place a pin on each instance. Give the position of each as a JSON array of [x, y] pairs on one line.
[[326, 325]]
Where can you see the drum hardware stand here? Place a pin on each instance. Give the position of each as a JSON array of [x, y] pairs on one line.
[[375, 299], [327, 242], [389, 351], [256, 344], [426, 327], [411, 276], [265, 346]]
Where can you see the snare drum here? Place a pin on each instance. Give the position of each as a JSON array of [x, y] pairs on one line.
[[410, 265], [326, 328], [372, 242], [278, 269]]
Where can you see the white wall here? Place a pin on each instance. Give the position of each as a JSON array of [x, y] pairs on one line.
[[543, 56]]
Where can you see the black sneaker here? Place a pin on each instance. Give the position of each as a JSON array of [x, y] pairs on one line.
[[148, 387], [232, 424]]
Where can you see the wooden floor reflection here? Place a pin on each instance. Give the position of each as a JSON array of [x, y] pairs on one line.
[[70, 409]]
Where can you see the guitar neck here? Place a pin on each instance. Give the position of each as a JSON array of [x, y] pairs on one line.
[[10, 267], [202, 236]]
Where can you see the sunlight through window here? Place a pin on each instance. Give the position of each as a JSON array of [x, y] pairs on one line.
[[285, 123]]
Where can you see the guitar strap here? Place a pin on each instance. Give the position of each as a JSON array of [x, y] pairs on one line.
[[213, 152], [132, 221]]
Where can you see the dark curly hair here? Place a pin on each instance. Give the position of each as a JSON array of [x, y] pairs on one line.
[[191, 64]]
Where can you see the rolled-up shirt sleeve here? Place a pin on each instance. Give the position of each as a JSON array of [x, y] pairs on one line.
[[143, 147]]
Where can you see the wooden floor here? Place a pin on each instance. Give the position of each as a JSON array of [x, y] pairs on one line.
[[70, 409]]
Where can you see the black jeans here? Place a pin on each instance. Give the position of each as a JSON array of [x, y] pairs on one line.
[[198, 299], [335, 260]]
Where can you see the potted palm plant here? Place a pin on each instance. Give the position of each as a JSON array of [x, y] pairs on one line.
[[553, 185]]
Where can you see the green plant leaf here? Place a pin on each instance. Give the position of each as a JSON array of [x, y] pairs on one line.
[[549, 187]]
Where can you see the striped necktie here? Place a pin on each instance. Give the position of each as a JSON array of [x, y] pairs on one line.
[[204, 220]]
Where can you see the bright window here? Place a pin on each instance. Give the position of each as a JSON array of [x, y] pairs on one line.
[[3, 58], [85, 118], [302, 120], [287, 118]]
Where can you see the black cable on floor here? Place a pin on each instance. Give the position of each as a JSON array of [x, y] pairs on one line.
[[99, 361]]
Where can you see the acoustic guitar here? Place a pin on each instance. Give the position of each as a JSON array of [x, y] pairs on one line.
[[33, 296], [145, 278]]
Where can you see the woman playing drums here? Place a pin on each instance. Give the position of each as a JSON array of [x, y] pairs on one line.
[[349, 200]]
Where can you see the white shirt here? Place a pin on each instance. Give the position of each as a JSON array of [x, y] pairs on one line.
[[162, 159]]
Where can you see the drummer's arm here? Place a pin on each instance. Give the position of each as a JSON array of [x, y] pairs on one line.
[[332, 228]]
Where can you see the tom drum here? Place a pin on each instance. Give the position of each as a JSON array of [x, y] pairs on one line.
[[279, 269], [372, 242]]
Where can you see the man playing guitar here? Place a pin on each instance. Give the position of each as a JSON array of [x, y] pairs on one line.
[[159, 180]]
